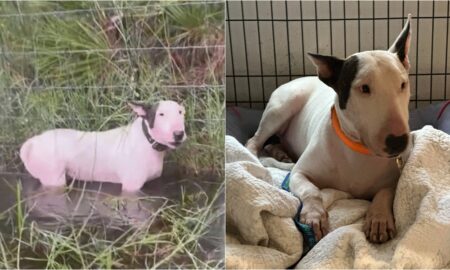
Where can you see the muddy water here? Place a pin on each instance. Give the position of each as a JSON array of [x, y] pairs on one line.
[[105, 204]]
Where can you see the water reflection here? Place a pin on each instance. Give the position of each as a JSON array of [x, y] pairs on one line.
[[99, 201], [104, 204]]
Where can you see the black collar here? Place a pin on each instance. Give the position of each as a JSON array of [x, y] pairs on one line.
[[156, 145]]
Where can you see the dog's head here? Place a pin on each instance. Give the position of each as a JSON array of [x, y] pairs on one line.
[[372, 94], [165, 121]]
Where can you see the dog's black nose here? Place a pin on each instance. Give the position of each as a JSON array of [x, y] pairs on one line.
[[178, 135], [396, 144]]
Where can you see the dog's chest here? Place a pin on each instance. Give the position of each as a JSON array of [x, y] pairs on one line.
[[140, 160], [363, 178], [331, 164]]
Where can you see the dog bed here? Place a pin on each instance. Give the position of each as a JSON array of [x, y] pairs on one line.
[[243, 122], [261, 233]]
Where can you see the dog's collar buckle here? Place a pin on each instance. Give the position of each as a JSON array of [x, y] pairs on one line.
[[155, 145], [400, 162]]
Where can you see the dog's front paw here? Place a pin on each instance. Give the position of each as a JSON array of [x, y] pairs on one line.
[[379, 226], [314, 215]]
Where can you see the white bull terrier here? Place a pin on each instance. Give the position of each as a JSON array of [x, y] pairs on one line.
[[346, 127], [130, 155]]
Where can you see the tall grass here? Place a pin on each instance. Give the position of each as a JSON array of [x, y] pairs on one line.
[[62, 68]]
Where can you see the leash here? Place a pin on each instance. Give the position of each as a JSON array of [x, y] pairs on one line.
[[309, 239], [155, 145]]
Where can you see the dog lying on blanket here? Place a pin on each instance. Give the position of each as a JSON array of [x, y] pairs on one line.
[[346, 127], [129, 155]]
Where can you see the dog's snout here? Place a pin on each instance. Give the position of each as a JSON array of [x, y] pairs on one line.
[[178, 135], [396, 144]]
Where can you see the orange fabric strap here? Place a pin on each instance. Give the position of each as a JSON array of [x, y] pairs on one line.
[[355, 146]]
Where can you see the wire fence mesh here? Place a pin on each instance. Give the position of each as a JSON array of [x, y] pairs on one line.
[[267, 42], [76, 64]]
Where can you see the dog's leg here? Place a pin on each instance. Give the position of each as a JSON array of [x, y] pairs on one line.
[[379, 224], [131, 187], [273, 121], [54, 179], [132, 183], [313, 213]]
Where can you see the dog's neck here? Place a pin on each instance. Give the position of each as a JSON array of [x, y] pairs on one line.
[[155, 145], [347, 126], [346, 131]]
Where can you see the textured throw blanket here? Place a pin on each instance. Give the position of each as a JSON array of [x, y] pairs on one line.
[[261, 233]]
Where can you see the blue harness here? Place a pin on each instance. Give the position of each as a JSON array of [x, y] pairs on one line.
[[309, 240]]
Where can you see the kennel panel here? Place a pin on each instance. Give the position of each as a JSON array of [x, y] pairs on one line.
[[278, 35]]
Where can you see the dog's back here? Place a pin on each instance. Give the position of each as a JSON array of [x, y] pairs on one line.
[[303, 127], [83, 155]]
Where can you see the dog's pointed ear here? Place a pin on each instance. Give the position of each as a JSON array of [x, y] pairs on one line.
[[328, 68], [142, 110], [138, 108], [402, 43]]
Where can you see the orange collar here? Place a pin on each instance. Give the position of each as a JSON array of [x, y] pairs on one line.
[[355, 146]]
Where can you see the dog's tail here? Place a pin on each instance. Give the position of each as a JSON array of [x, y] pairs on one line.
[[26, 156]]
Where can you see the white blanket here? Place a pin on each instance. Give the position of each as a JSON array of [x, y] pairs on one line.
[[260, 233]]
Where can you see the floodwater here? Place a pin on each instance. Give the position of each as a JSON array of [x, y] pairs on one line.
[[103, 203]]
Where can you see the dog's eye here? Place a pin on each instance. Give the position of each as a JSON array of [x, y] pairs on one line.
[[179, 112], [365, 89], [161, 114]]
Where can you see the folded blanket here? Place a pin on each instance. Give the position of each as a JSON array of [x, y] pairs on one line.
[[421, 210], [260, 231]]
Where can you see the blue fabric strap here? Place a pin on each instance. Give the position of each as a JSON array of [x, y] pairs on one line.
[[286, 181], [309, 239]]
